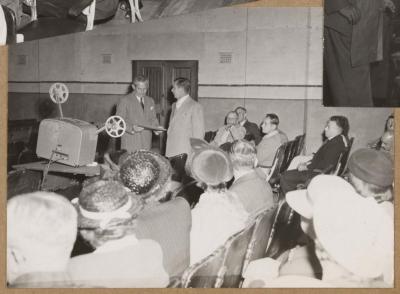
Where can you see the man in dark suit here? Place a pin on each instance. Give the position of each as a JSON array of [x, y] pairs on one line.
[[137, 109], [252, 130], [350, 45], [324, 160]]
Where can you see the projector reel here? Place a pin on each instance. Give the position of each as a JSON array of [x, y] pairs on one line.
[[58, 93], [115, 126]]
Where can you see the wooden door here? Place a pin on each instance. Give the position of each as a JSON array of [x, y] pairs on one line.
[[161, 75]]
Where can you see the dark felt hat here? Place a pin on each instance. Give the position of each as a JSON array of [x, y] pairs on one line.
[[145, 173], [104, 202], [372, 166]]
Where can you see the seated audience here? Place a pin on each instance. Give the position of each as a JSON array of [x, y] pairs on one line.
[[324, 160], [107, 214], [252, 130], [271, 141], [148, 174], [218, 214], [253, 191], [41, 231], [371, 173], [354, 247], [231, 131]]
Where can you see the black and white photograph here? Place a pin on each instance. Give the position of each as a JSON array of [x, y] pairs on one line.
[[362, 53], [194, 151]]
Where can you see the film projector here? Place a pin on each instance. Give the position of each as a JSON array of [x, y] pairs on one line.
[[72, 141]]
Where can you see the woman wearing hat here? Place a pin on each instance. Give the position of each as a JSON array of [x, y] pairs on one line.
[[218, 214], [106, 219], [167, 222], [371, 174], [353, 235], [353, 240]]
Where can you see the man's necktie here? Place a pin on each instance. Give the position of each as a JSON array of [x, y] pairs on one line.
[[142, 103]]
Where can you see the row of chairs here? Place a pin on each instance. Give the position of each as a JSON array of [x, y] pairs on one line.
[[224, 268], [283, 156], [287, 151], [287, 229]]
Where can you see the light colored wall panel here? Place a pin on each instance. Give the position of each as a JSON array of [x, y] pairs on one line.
[[211, 71], [224, 20], [92, 66], [23, 72], [168, 46], [58, 58], [274, 59]]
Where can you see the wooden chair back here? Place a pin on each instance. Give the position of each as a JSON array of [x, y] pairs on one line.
[[205, 273], [262, 231], [236, 249]]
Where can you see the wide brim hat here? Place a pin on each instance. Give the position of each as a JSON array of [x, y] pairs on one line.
[[209, 164], [372, 166], [145, 172], [321, 186], [104, 202], [356, 233]]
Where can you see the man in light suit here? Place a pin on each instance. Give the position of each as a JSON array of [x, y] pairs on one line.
[[137, 109], [187, 120]]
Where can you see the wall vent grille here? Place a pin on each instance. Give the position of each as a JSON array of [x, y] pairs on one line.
[[21, 59], [225, 57], [107, 58]]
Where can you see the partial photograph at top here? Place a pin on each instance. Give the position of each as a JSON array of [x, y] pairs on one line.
[[26, 20], [362, 53]]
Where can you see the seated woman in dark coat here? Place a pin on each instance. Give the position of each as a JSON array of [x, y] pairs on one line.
[[166, 221]]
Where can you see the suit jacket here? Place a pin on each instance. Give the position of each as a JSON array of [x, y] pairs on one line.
[[364, 34], [328, 154], [254, 192], [365, 38], [135, 266], [185, 123], [169, 225], [252, 131], [130, 109], [333, 19]]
